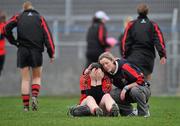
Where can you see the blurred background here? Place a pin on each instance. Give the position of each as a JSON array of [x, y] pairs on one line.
[[69, 21]]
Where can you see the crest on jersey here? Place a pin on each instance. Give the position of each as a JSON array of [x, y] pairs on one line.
[[30, 14], [143, 21]]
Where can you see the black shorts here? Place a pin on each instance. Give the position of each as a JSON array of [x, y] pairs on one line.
[[97, 93], [98, 97], [145, 63], [29, 57]]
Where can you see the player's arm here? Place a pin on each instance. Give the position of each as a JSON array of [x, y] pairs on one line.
[[2, 33], [85, 84], [106, 84], [158, 40], [48, 39], [126, 41], [10, 24], [102, 35], [133, 76]]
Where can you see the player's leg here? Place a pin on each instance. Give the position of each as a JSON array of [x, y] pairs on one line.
[[36, 64], [35, 87], [91, 103], [25, 85], [141, 95], [110, 105], [125, 107], [23, 64], [79, 110]]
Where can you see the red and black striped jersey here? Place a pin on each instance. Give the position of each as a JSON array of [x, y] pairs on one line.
[[126, 74], [85, 85]]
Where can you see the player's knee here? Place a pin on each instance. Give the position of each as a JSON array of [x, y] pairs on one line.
[[106, 96], [90, 98], [114, 93], [135, 91]]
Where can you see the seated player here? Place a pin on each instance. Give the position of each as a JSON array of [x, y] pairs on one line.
[[95, 98]]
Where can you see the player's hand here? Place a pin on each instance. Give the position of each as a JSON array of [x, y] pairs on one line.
[[88, 70], [99, 74], [92, 74], [123, 94], [52, 60], [163, 60]]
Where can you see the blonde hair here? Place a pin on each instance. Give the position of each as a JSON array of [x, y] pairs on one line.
[[142, 9], [127, 20], [27, 5], [106, 55]]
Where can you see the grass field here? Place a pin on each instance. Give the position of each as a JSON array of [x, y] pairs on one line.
[[165, 111]]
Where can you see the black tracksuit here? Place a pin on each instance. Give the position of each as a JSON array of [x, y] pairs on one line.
[[126, 74], [96, 41], [32, 32], [138, 42]]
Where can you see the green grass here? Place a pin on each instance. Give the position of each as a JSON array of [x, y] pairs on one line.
[[165, 111]]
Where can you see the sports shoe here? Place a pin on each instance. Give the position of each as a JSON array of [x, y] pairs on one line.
[[70, 111], [26, 108], [114, 110], [79, 110], [147, 115], [98, 112], [133, 113], [34, 104]]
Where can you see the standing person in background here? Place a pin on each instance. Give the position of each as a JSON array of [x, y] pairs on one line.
[[140, 38], [32, 34], [2, 40], [96, 37]]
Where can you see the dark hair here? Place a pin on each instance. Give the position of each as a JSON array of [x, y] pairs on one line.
[[96, 20], [142, 9], [95, 65]]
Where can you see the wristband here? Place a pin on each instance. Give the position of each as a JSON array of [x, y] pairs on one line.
[[126, 88]]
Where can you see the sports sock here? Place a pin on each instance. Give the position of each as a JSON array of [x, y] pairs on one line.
[[25, 99], [35, 90]]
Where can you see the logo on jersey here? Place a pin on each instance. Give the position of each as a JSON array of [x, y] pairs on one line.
[[143, 21], [30, 14]]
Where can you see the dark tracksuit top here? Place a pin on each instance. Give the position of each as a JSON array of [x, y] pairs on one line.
[[138, 42], [2, 46], [126, 74], [96, 41], [32, 31], [2, 40]]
